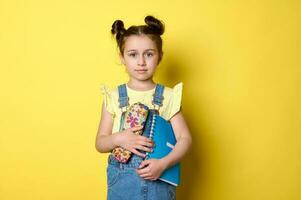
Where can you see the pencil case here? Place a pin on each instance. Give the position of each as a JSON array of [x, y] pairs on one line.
[[135, 115]]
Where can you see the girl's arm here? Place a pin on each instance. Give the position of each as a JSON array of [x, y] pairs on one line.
[[152, 169], [106, 141], [184, 140]]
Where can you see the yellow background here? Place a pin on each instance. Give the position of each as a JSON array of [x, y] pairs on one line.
[[240, 65]]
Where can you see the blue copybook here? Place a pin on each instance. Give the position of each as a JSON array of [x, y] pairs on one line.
[[162, 134]]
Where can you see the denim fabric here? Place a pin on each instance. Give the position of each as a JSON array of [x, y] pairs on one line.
[[125, 184]]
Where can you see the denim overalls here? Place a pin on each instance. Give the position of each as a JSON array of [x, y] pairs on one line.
[[122, 179]]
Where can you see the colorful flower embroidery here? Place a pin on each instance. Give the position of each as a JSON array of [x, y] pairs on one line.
[[133, 121], [135, 115]]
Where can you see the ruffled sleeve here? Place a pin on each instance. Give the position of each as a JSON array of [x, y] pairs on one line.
[[175, 100], [107, 98]]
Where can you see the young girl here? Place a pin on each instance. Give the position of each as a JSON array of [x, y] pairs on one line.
[[141, 52]]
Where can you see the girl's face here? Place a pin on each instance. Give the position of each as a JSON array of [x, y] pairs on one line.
[[140, 57]]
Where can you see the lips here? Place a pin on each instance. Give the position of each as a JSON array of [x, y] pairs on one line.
[[141, 71]]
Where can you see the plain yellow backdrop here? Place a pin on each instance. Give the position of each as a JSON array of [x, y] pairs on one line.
[[240, 65]]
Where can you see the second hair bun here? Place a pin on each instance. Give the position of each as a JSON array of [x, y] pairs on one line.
[[155, 24]]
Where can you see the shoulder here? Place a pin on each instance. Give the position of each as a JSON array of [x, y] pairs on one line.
[[175, 87], [172, 100], [176, 90], [107, 90]]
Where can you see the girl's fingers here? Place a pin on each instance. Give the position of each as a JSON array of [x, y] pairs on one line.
[[138, 153], [147, 144], [144, 163], [143, 171], [136, 128], [143, 148], [146, 176], [144, 139]]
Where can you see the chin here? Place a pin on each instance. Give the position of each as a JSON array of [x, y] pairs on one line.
[[143, 78]]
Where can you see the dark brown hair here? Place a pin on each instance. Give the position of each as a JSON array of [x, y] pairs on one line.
[[154, 28]]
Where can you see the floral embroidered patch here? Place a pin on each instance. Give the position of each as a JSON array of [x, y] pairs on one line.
[[136, 115]]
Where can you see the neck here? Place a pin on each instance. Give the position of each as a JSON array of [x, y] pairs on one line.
[[141, 85]]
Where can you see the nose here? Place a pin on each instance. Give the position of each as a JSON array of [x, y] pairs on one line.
[[141, 61]]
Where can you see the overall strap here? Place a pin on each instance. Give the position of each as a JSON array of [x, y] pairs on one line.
[[123, 97], [123, 102], [158, 96]]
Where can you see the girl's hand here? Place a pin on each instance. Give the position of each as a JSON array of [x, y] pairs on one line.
[[151, 169], [132, 142]]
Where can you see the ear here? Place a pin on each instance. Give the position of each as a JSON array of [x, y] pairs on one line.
[[121, 58], [160, 57]]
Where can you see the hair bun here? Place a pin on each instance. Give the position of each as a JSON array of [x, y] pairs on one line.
[[118, 28], [155, 24]]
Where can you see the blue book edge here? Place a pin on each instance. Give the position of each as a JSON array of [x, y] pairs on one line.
[[172, 174]]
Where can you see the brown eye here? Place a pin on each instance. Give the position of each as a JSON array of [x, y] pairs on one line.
[[149, 54], [132, 54]]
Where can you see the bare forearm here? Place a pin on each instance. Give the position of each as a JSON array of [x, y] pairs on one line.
[[106, 143], [181, 148]]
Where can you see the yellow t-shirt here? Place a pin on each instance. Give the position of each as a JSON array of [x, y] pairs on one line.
[[171, 102]]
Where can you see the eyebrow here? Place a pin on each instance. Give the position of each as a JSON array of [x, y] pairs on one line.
[[136, 50]]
